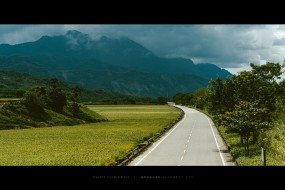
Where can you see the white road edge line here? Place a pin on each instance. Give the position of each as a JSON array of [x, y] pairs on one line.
[[184, 151], [182, 158], [216, 141], [162, 139]]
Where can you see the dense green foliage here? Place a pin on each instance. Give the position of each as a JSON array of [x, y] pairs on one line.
[[16, 115], [198, 99], [56, 97], [95, 144], [250, 105], [45, 106], [247, 119], [36, 99]]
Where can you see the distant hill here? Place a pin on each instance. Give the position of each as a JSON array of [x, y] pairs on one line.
[[120, 65], [12, 82]]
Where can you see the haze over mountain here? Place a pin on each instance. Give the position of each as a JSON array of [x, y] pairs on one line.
[[120, 65]]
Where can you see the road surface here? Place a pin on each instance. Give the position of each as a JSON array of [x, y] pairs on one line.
[[194, 141]]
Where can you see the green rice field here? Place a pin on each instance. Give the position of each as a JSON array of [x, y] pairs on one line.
[[9, 99], [95, 144]]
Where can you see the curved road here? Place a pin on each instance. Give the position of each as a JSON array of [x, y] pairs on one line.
[[193, 141]]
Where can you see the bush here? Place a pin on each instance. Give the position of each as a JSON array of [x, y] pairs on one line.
[[57, 100], [20, 93], [15, 107], [35, 99], [75, 109], [161, 100]]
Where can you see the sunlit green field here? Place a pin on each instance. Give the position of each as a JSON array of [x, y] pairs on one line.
[[9, 99], [85, 145]]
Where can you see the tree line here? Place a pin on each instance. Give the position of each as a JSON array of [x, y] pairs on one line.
[[247, 103], [37, 99]]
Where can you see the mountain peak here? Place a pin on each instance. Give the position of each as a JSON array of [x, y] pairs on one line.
[[118, 64], [126, 38], [103, 38], [74, 33], [76, 38]]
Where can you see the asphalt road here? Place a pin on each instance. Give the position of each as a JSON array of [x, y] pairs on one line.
[[194, 141]]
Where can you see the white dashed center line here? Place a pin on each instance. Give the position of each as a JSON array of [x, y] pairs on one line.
[[187, 143]]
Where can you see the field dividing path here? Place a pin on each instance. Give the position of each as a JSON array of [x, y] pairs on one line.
[[194, 141]]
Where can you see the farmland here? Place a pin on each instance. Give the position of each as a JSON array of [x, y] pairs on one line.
[[9, 99], [94, 144]]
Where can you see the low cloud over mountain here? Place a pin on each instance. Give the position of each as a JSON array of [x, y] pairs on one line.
[[118, 64]]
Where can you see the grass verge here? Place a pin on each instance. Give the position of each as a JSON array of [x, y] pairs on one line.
[[275, 153]]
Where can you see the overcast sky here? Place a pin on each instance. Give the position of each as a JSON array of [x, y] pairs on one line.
[[232, 47]]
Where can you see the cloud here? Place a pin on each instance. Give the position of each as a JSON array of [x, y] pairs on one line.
[[279, 42], [227, 46], [15, 34]]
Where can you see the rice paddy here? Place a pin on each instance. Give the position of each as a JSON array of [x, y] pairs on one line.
[[95, 144]]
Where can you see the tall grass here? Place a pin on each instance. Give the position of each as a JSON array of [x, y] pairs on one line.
[[275, 155]]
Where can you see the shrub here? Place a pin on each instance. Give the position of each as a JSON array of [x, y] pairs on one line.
[[35, 99]]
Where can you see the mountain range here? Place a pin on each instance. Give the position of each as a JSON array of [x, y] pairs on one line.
[[120, 65]]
